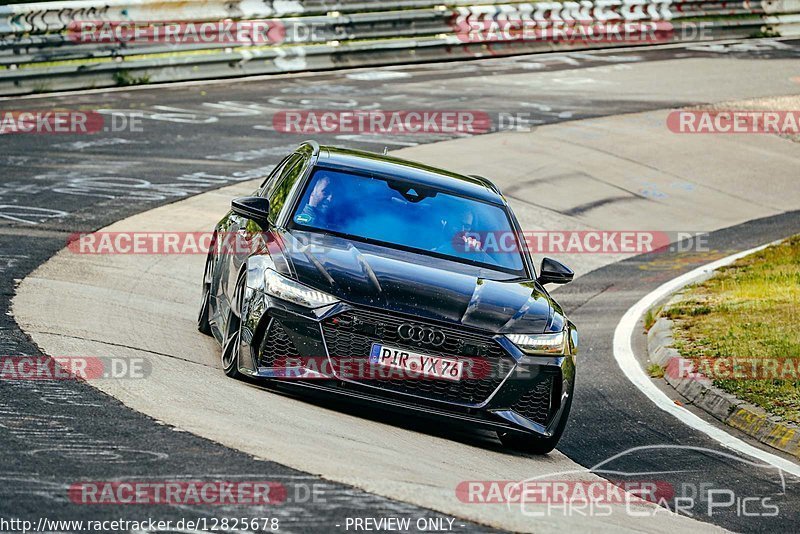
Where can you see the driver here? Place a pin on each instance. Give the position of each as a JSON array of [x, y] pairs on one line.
[[319, 202]]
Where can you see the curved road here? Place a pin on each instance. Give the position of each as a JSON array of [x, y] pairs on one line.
[[610, 172]]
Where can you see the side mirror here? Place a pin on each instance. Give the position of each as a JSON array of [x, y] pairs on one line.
[[555, 272], [253, 208]]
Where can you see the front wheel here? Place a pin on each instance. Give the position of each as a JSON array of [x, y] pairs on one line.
[[535, 445], [232, 343]]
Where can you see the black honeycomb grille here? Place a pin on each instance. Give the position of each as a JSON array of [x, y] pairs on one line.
[[277, 346], [535, 404], [351, 335]]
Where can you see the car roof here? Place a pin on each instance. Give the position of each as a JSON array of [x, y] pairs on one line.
[[387, 166]]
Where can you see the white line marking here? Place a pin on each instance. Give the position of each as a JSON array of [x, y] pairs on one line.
[[623, 353]]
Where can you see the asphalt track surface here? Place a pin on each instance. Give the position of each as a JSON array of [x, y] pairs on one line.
[[196, 138]]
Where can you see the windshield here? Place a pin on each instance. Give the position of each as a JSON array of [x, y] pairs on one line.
[[394, 212]]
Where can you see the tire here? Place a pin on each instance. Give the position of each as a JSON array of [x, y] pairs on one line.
[[203, 319], [231, 345], [535, 445]]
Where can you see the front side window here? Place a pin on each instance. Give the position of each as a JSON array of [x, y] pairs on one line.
[[277, 174], [283, 185], [397, 213]]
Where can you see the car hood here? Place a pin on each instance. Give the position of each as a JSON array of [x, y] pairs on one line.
[[415, 284]]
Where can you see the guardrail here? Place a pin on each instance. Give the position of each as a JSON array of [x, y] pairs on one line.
[[89, 43]]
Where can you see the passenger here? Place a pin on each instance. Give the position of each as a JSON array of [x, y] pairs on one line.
[[458, 234], [465, 234]]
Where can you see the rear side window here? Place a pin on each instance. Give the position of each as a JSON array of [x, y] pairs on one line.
[[283, 185]]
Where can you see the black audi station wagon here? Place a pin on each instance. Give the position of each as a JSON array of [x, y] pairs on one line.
[[397, 285]]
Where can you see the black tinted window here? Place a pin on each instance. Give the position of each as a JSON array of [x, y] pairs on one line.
[[270, 180], [394, 212], [283, 185]]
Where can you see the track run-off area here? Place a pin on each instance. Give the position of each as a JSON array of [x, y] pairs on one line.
[[590, 150]]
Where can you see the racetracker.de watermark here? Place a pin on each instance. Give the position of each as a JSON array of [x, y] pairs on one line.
[[734, 368], [581, 242], [248, 32], [567, 31], [178, 492], [265, 32], [734, 122], [176, 243], [393, 365], [562, 491], [382, 122], [73, 368], [187, 243], [69, 122]]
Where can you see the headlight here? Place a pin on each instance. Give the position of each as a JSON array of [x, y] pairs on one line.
[[540, 343], [285, 289]]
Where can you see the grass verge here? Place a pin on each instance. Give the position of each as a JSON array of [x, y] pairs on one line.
[[742, 328]]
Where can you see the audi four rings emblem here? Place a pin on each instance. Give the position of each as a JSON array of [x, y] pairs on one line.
[[421, 334]]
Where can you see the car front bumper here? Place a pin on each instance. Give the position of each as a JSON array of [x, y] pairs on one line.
[[515, 392]]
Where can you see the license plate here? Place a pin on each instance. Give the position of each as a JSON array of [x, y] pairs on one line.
[[413, 364]]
